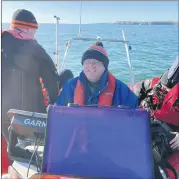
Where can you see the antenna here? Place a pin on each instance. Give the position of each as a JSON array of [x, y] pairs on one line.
[[80, 20], [57, 44]]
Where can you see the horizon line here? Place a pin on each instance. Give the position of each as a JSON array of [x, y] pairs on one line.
[[171, 21]]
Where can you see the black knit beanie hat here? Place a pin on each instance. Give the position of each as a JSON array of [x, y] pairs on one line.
[[96, 52], [24, 19]]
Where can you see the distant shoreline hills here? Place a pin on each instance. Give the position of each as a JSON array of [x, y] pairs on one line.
[[127, 23], [147, 23], [142, 23]]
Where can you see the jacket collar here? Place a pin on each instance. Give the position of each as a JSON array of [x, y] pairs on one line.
[[102, 83]]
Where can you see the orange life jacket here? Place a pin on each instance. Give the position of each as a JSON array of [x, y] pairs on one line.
[[154, 82], [152, 85], [105, 98], [45, 93], [169, 111]]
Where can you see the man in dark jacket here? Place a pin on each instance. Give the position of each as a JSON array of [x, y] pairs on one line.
[[24, 61]]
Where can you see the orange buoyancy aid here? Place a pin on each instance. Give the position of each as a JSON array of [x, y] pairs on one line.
[[45, 96], [169, 112], [44, 93], [154, 82], [105, 98]]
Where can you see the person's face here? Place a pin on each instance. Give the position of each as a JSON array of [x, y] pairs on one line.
[[93, 69]]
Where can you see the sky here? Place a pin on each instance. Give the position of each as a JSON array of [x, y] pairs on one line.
[[94, 11]]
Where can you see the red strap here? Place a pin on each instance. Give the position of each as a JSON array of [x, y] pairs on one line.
[[5, 161]]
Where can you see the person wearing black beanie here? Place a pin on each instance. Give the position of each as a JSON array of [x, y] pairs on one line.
[[24, 62], [96, 85], [23, 25], [96, 52], [24, 19], [95, 62]]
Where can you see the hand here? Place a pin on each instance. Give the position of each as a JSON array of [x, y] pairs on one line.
[[175, 142]]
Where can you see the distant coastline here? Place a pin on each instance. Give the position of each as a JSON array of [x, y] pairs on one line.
[[147, 23], [125, 23]]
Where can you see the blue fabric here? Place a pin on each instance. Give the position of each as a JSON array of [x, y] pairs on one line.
[[122, 95]]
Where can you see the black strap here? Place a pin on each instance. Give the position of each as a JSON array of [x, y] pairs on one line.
[[166, 165], [170, 167]]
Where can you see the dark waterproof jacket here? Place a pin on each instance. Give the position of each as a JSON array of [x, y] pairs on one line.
[[23, 63]]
